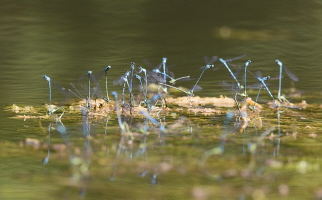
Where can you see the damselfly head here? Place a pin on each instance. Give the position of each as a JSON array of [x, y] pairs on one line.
[[164, 60], [247, 63], [107, 68], [132, 65], [46, 77], [141, 69], [278, 62], [266, 78]]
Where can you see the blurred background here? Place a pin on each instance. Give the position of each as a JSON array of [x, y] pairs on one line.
[[66, 39]]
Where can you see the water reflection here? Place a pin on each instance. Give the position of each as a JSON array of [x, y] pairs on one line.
[[79, 160], [161, 151], [46, 159]]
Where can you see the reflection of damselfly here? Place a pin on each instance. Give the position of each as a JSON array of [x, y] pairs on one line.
[[125, 130]]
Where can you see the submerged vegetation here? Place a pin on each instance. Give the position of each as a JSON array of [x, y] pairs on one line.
[[235, 141]]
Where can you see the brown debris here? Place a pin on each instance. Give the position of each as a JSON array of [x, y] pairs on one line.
[[202, 101]]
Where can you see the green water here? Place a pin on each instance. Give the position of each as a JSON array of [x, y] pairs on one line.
[[64, 40]]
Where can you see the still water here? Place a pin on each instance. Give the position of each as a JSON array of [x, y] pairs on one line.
[[64, 40]]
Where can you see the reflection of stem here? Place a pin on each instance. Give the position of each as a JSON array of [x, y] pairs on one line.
[[76, 162], [79, 164], [218, 150], [154, 179], [244, 152], [46, 159], [86, 126], [142, 149], [264, 134], [279, 132], [105, 133], [114, 168], [118, 112]]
